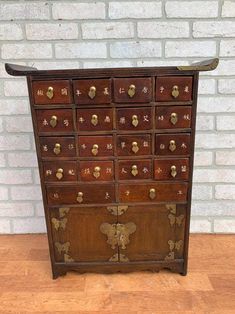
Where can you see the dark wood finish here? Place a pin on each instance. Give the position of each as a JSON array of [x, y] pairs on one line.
[[114, 220]]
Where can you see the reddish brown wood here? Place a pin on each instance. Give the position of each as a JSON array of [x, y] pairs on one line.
[[60, 171], [134, 119], [165, 114], [164, 169], [86, 145], [125, 145], [95, 119], [127, 169], [48, 145], [96, 170], [182, 144]]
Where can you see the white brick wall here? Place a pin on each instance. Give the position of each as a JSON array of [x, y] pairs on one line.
[[82, 34]]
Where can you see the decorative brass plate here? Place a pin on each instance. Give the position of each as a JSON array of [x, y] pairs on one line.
[[117, 210], [172, 216]]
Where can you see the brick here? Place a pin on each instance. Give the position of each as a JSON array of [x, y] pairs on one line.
[[213, 208], [135, 49], [51, 31], [24, 11], [214, 29], [80, 50], [214, 175], [161, 63], [16, 209], [207, 86], [163, 29], [45, 65], [225, 157], [190, 49], [205, 123], [18, 124], [107, 30], [23, 193], [228, 9], [15, 88], [3, 193], [1, 125], [225, 123], [227, 48], [225, 67], [5, 226], [14, 142], [226, 86], [78, 11], [203, 158], [191, 9], [29, 225], [39, 209], [26, 51], [200, 225], [36, 176], [218, 140], [22, 159], [108, 64], [226, 192], [14, 106], [2, 160], [216, 104], [224, 225], [134, 9], [11, 32], [15, 176], [202, 192]]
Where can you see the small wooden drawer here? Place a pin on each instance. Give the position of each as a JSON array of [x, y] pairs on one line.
[[92, 146], [134, 119], [172, 144], [95, 119], [171, 169], [173, 117], [81, 194], [97, 91], [133, 145], [52, 92], [55, 120], [96, 170], [57, 147], [153, 192], [129, 90], [60, 171], [134, 169], [174, 88]]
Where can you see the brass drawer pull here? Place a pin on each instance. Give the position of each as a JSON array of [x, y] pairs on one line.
[[59, 173], [80, 197], [152, 194], [92, 92], [57, 149], [174, 118], [135, 120], [175, 91], [135, 147], [134, 170], [50, 92], [96, 172], [173, 171], [131, 90], [172, 145], [53, 121], [94, 150], [94, 119]]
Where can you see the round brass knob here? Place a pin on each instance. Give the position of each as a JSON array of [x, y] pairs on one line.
[[135, 120], [80, 197], [94, 119], [59, 173], [96, 172], [53, 121], [134, 170], [92, 92], [131, 90], [173, 171], [152, 193], [95, 149], [174, 118], [172, 145], [50, 92], [175, 91], [135, 147], [57, 149]]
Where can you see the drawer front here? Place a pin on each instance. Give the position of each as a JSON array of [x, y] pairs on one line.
[[57, 147], [52, 92], [56, 120], [91, 146], [60, 171], [134, 169], [134, 119], [132, 90], [173, 117], [128, 145], [153, 192], [97, 91], [173, 144], [81, 194], [171, 169], [95, 119], [96, 170], [174, 88]]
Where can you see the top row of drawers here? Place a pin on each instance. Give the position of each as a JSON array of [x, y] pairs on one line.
[[119, 90]]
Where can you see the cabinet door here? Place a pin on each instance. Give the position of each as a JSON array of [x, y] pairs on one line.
[[77, 236]]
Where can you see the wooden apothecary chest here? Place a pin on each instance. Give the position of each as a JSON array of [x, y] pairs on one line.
[[115, 152]]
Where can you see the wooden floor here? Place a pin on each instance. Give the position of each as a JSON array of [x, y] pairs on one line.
[[26, 285]]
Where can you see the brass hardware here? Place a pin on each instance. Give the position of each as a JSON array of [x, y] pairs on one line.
[[173, 171], [57, 149], [92, 92], [172, 216], [80, 197], [96, 172], [121, 258], [174, 118], [175, 91], [63, 211], [117, 210], [172, 145], [135, 147], [68, 258], [170, 256], [62, 247], [118, 234], [152, 194], [131, 90], [59, 223], [114, 258], [207, 65], [173, 245], [94, 150], [59, 173], [134, 170], [135, 120], [94, 119], [50, 92], [53, 121]]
